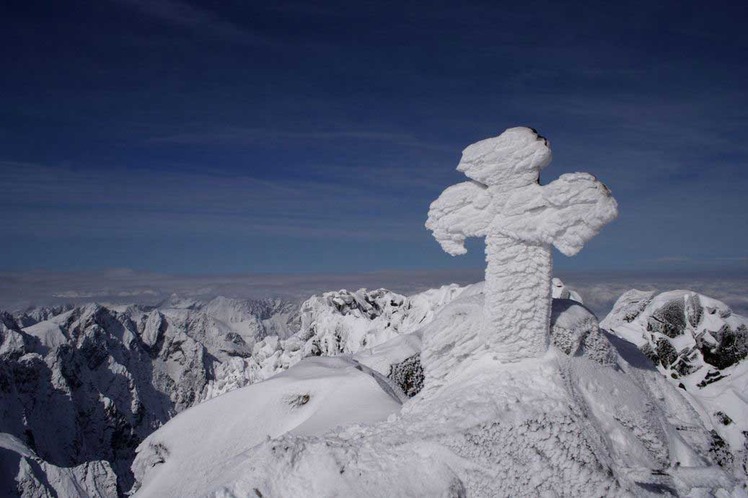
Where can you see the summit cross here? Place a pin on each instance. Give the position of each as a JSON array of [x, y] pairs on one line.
[[520, 219]]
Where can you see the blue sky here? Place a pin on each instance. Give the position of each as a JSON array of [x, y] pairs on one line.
[[229, 137]]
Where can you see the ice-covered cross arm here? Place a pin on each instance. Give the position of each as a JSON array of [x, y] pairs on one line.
[[462, 211], [566, 213], [521, 220]]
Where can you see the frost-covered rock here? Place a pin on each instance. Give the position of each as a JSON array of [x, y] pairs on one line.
[[521, 220], [558, 425], [575, 331], [408, 375], [699, 345]]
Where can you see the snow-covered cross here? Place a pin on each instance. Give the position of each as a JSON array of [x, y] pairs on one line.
[[520, 219]]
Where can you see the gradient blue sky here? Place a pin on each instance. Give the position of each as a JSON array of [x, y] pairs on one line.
[[233, 136]]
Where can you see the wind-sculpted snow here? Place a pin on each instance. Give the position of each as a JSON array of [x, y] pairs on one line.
[[699, 345], [559, 425], [521, 220]]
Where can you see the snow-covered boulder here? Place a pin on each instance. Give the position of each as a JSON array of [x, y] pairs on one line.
[[575, 331], [701, 346]]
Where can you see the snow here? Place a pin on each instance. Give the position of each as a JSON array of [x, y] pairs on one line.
[[339, 322], [591, 416], [87, 384], [560, 291], [511, 160], [383, 356], [521, 220], [690, 324], [310, 398], [49, 333], [554, 425]]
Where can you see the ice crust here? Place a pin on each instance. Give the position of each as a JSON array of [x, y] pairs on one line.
[[521, 220]]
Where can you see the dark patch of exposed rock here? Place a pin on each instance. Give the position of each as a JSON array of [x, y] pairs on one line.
[[408, 374], [731, 347], [669, 319]]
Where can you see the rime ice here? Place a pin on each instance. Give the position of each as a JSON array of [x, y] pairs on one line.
[[521, 220]]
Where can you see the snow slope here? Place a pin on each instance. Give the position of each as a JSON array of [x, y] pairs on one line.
[[311, 398], [568, 425]]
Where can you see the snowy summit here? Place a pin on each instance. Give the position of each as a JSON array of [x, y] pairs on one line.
[[509, 387], [417, 405]]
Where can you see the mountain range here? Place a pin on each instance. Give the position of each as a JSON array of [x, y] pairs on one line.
[[652, 397]]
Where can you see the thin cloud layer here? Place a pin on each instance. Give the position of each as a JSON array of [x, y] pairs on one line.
[[599, 290]]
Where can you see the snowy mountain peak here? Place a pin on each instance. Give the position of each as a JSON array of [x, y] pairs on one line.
[[701, 347]]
